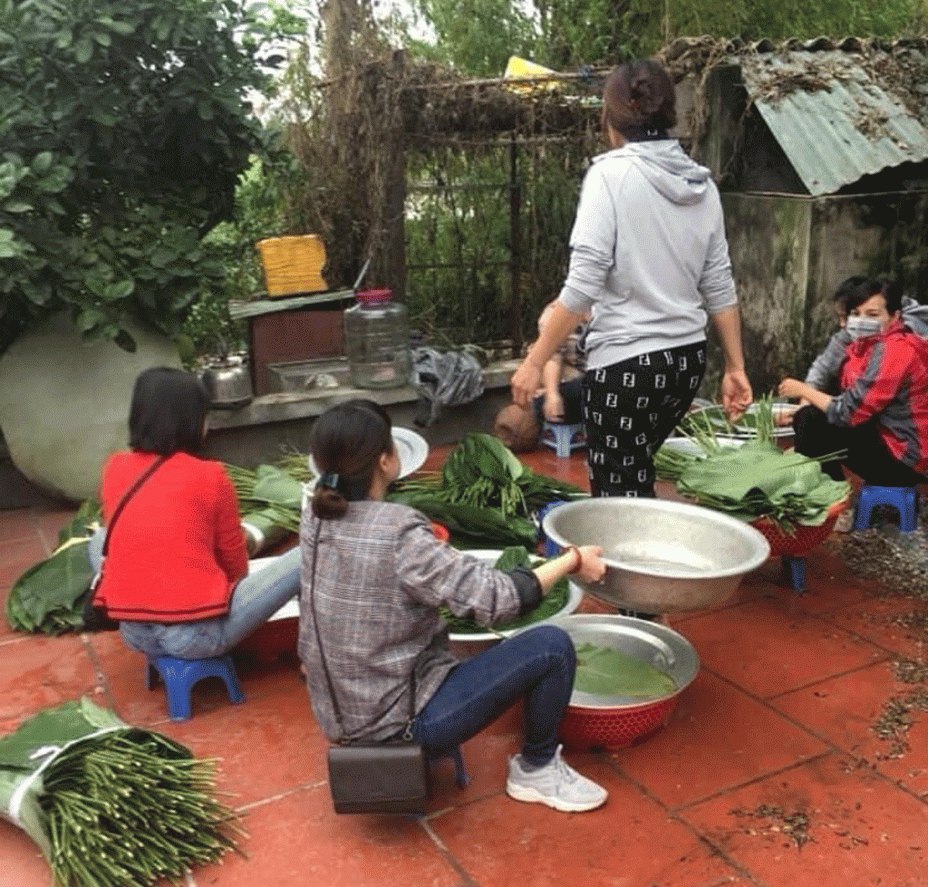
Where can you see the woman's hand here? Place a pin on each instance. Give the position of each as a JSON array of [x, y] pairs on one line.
[[525, 383], [793, 388], [554, 407], [736, 393], [585, 562], [592, 566]]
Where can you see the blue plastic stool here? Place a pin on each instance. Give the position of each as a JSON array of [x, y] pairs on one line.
[[903, 499], [795, 567], [460, 774], [179, 676], [564, 439]]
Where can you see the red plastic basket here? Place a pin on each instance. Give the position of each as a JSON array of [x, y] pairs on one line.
[[583, 729], [803, 539]]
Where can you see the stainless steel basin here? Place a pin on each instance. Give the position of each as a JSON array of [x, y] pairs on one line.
[[661, 556]]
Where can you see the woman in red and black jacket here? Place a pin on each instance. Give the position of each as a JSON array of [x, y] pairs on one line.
[[881, 415], [176, 572]]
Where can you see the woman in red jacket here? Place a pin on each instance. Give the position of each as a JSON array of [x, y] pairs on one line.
[[176, 572], [880, 418]]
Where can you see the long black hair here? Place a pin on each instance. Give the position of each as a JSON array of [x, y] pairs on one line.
[[347, 442], [168, 412]]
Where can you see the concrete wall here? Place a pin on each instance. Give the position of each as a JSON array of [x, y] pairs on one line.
[[789, 253]]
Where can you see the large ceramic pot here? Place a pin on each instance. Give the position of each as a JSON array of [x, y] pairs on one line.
[[64, 404]]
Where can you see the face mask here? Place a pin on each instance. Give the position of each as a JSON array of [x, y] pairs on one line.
[[862, 326]]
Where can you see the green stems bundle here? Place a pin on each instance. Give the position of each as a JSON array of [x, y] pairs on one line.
[[111, 805]]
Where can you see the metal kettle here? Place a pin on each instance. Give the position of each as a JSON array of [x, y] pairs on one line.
[[228, 381]]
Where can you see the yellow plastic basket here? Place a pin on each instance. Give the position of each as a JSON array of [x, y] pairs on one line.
[[293, 265]]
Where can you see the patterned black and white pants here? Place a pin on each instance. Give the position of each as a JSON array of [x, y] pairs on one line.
[[630, 408]]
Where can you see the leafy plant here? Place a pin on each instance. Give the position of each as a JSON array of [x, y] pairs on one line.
[[123, 132]]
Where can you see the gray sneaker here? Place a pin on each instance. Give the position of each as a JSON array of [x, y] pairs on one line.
[[556, 784]]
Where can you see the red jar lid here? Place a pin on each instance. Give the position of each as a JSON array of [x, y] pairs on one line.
[[368, 296]]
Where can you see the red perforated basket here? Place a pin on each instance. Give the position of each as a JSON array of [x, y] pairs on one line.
[[803, 539], [584, 728]]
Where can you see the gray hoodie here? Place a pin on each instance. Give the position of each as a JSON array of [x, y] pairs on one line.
[[649, 259]]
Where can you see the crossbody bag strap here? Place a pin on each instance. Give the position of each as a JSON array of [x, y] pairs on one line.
[[407, 733], [147, 473]]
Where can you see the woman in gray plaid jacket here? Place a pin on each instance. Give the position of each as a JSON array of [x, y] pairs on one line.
[[374, 578]]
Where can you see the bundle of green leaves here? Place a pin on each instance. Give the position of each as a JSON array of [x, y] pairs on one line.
[[752, 479], [110, 805], [758, 479], [484, 494], [48, 597]]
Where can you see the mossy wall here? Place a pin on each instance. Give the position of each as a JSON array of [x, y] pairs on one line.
[[789, 253]]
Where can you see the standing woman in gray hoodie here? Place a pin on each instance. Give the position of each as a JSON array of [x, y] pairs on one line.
[[649, 263]]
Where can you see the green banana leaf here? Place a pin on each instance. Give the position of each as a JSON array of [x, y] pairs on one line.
[[20, 757], [605, 671], [79, 781], [468, 524], [48, 597], [757, 479], [273, 484]]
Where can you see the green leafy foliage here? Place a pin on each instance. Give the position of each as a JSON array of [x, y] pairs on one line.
[[605, 671], [483, 494], [553, 602], [123, 132], [114, 806], [47, 597], [463, 38], [567, 34], [459, 246]]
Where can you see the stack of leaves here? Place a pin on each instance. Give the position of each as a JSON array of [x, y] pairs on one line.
[[754, 479], [270, 496], [483, 493], [110, 805], [553, 602], [606, 671], [49, 596], [759, 479]]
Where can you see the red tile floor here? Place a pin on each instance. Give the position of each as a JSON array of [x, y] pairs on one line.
[[770, 772]]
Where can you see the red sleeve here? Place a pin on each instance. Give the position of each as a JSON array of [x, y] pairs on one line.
[[231, 553]]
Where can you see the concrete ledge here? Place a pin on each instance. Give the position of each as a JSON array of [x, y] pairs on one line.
[[272, 424]]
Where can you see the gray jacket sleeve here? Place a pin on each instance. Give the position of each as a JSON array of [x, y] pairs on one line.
[[826, 368], [436, 575]]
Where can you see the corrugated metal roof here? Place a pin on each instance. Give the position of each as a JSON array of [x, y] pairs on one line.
[[834, 118]]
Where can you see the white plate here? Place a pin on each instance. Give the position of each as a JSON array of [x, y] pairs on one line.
[[690, 448], [411, 448], [574, 596]]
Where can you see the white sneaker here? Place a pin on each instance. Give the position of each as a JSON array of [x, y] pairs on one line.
[[556, 784]]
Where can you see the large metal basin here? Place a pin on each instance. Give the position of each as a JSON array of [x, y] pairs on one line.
[[661, 556]]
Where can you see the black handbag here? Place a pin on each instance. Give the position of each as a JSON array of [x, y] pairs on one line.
[[95, 617], [373, 777]]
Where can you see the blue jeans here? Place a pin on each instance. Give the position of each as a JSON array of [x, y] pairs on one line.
[[255, 599], [538, 664]]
